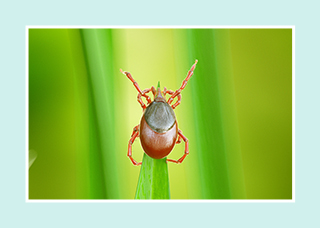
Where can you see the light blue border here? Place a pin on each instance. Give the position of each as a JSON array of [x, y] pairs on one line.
[[16, 213]]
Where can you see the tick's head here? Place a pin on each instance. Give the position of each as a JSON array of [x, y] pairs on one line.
[[159, 96]]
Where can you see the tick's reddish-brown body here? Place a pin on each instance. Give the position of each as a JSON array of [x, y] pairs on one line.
[[157, 145], [158, 128]]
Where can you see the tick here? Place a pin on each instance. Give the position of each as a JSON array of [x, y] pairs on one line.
[[158, 129]]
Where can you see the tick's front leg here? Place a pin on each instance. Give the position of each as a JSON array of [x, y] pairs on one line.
[[184, 83], [141, 93]]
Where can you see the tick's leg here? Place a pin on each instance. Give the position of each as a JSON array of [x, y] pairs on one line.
[[170, 92], [177, 102], [186, 150], [184, 83], [141, 102], [135, 129], [138, 88], [144, 92], [167, 91], [179, 140], [135, 134]]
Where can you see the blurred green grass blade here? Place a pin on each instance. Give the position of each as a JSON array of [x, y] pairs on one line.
[[229, 116], [32, 157], [212, 160], [217, 136], [153, 180], [51, 115], [91, 184], [98, 51]]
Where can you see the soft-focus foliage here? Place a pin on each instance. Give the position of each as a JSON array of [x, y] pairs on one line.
[[236, 111]]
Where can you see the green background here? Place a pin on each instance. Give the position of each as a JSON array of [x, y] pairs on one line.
[[236, 111]]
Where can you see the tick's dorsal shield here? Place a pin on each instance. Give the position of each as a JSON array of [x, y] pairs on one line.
[[160, 116]]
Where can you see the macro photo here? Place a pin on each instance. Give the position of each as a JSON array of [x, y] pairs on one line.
[[163, 113]]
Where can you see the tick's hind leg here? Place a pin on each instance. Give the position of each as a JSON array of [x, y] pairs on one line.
[[135, 129], [186, 150], [134, 135], [179, 140]]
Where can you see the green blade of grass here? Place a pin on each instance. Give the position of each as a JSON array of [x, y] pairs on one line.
[[97, 45], [220, 165], [153, 180], [32, 157]]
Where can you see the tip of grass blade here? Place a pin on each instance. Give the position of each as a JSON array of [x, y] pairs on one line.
[[158, 85]]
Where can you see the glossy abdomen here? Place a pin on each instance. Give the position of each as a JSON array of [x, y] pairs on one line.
[[158, 130]]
